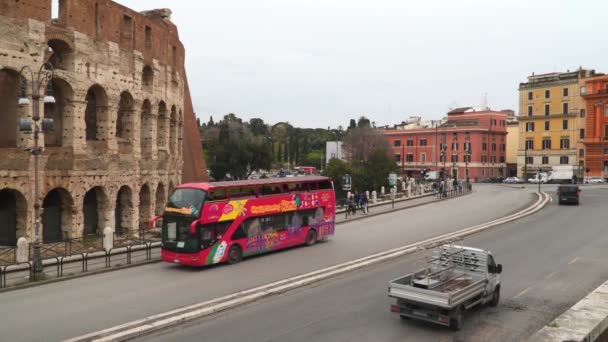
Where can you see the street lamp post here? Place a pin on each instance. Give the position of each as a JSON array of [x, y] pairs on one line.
[[526, 162], [38, 83], [467, 156]]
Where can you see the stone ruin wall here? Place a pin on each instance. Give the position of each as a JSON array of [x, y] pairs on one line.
[[123, 117]]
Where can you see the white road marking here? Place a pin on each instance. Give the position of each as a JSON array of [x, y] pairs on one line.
[[523, 292], [573, 261]]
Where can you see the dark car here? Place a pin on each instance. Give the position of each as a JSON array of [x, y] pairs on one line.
[[568, 194]]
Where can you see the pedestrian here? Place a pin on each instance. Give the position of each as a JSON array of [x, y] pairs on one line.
[[434, 187], [364, 203]]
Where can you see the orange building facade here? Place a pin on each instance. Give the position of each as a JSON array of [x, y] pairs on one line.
[[482, 132], [595, 94]]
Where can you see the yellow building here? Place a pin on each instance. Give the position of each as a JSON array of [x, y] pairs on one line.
[[551, 122], [512, 147]]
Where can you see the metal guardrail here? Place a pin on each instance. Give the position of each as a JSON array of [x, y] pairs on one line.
[[65, 256]]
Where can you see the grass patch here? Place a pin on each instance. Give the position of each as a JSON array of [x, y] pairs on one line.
[[553, 325]]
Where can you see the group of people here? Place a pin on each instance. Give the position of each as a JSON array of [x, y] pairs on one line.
[[442, 186], [358, 201]]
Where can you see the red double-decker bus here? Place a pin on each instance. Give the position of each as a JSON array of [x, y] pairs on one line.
[[210, 223]]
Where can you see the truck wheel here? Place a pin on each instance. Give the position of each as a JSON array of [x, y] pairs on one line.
[[495, 297], [311, 237], [457, 322], [235, 255]]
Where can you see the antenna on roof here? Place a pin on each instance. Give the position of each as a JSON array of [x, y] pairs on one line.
[[485, 99]]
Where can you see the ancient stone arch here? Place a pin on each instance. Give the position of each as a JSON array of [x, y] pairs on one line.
[[13, 216], [60, 54], [124, 210], [9, 111], [94, 209], [173, 130], [161, 132], [125, 119], [144, 207], [161, 199], [146, 129], [56, 215], [147, 79], [95, 113], [59, 112]]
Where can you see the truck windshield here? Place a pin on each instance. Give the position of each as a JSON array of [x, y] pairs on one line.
[[186, 201]]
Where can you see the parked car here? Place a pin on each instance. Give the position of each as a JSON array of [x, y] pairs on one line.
[[594, 180], [512, 180], [568, 194]]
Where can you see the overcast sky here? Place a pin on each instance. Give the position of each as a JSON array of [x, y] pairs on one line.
[[317, 63]]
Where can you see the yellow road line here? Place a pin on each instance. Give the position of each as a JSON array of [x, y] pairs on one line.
[[573, 261]]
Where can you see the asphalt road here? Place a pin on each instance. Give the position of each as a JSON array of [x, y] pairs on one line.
[[551, 260], [67, 309]]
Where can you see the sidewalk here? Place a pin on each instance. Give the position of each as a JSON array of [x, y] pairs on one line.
[[98, 262]]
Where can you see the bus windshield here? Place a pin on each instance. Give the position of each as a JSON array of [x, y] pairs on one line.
[[186, 201]]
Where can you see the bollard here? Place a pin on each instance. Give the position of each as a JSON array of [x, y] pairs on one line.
[[23, 251], [108, 239]]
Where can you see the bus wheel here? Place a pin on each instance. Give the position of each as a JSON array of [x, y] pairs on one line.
[[235, 254], [311, 237]]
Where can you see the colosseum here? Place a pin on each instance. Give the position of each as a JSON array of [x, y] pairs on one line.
[[124, 128]]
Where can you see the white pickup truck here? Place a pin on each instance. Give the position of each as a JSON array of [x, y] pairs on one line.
[[455, 279]]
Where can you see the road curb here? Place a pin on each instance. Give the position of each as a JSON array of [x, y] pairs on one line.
[[172, 318], [585, 321]]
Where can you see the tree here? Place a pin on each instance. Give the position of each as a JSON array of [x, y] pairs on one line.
[[211, 123], [336, 169], [352, 124], [258, 127], [360, 142], [363, 123], [198, 122]]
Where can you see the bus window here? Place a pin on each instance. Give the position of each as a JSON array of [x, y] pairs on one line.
[[252, 227], [325, 185], [239, 233], [187, 198], [212, 232], [217, 195], [312, 186]]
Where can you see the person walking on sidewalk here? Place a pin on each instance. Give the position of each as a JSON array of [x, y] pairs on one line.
[[364, 202]]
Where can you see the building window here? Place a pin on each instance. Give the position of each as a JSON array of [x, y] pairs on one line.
[[491, 172], [547, 94], [96, 21], [126, 31], [547, 107], [148, 37], [530, 95], [484, 146], [397, 143], [467, 146], [423, 142], [545, 160], [565, 107], [529, 160], [502, 159], [565, 91], [455, 146], [581, 152], [410, 142], [467, 158], [606, 132], [529, 144], [529, 126], [564, 160], [410, 158], [423, 157], [492, 159], [606, 112], [547, 144], [547, 125], [397, 157], [493, 147], [565, 124], [484, 159], [530, 111], [454, 158], [582, 136], [564, 143], [582, 113], [583, 90], [483, 172]]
